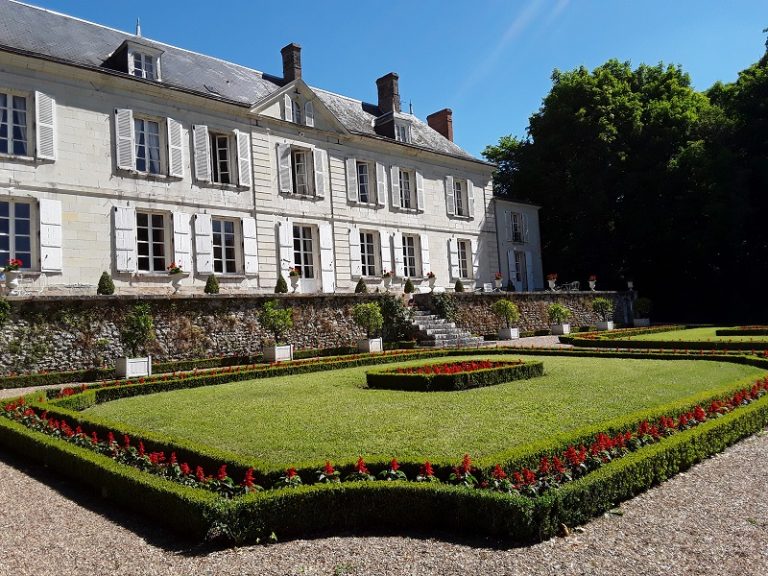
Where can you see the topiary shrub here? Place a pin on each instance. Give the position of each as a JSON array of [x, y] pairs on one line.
[[507, 311], [458, 287], [106, 287], [408, 288], [212, 285], [139, 329], [397, 318], [275, 319], [361, 288], [368, 316], [282, 286], [602, 307], [558, 314]]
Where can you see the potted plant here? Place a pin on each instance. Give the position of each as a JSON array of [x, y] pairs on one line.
[[592, 282], [276, 320], [642, 312], [551, 280], [498, 278], [11, 271], [387, 277], [369, 317], [293, 275], [603, 308], [431, 278], [177, 275], [558, 317], [138, 332], [510, 314]]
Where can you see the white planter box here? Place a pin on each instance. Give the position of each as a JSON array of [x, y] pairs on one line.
[[133, 367], [509, 333], [605, 325], [641, 322], [371, 345], [560, 329], [278, 353]]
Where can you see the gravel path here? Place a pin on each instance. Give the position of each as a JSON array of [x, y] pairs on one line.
[[712, 520]]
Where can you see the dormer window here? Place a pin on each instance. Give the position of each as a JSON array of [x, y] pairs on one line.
[[139, 58], [403, 132], [142, 65]]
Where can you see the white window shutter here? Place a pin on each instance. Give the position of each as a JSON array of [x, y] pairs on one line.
[[453, 257], [475, 259], [125, 152], [419, 191], [386, 252], [381, 185], [131, 66], [471, 198], [202, 153], [284, 176], [355, 255], [320, 161], [125, 239], [309, 114], [394, 188], [243, 142], [285, 238], [352, 194], [250, 247], [450, 200], [425, 265], [182, 241], [51, 259], [45, 130], [529, 270], [327, 264], [287, 108], [203, 244], [397, 249], [525, 227], [175, 148]]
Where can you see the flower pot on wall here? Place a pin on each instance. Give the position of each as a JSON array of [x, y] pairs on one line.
[[592, 284], [641, 322], [560, 329], [371, 345], [12, 280], [509, 333], [133, 367], [278, 353], [498, 284], [607, 325], [294, 283], [176, 280]]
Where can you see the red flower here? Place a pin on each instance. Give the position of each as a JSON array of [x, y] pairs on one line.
[[466, 464], [544, 466], [498, 473], [200, 474], [172, 461], [94, 438], [141, 448], [328, 469], [699, 414], [111, 439], [185, 469], [394, 465], [558, 465], [529, 476], [290, 473], [248, 479], [360, 467], [222, 475], [426, 469]]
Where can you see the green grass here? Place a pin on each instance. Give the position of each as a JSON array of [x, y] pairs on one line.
[[304, 419], [697, 335]]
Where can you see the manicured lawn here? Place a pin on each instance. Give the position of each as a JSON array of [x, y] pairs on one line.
[[305, 419], [697, 335]]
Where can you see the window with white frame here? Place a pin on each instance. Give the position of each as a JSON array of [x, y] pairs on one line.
[[407, 189], [302, 171], [402, 132], [143, 65], [224, 246], [16, 232], [148, 146], [517, 227], [296, 111], [221, 158], [410, 251], [460, 197], [151, 244], [13, 125], [465, 253], [364, 182], [368, 253], [303, 251]]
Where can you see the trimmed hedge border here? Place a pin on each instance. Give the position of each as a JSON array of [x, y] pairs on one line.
[[620, 339], [501, 372], [743, 331]]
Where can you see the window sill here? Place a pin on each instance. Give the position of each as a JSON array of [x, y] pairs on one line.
[[460, 217], [219, 186], [365, 204], [16, 157], [302, 196], [408, 210], [149, 176], [158, 275]]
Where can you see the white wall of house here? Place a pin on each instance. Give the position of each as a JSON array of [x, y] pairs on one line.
[[519, 245]]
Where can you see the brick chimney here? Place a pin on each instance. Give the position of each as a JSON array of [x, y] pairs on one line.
[[442, 121], [291, 62], [389, 93]]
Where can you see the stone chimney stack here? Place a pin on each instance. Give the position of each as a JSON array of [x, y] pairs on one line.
[[291, 62], [389, 93], [442, 121]]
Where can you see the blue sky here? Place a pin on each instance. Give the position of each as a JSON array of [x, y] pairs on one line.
[[488, 60]]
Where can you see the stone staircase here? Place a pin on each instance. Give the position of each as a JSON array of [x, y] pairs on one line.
[[436, 332]]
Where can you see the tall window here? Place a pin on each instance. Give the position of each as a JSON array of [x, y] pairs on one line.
[[402, 132], [224, 252], [13, 125], [303, 256], [409, 256], [300, 159], [143, 66], [147, 146], [460, 197], [368, 253], [517, 227], [296, 112], [464, 255], [363, 182], [220, 159], [150, 241], [16, 232], [406, 193]]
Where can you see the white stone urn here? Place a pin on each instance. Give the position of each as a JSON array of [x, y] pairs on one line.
[[176, 280], [560, 329], [277, 353], [431, 281], [294, 282], [592, 284], [387, 281], [12, 280], [371, 345], [498, 283], [551, 284]]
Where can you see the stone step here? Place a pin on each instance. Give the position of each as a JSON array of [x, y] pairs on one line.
[[436, 326], [472, 342]]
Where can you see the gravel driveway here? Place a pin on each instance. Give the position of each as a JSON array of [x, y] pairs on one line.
[[711, 520]]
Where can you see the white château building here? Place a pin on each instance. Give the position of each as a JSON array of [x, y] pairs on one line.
[[124, 154]]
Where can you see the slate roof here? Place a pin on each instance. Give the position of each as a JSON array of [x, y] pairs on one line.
[[42, 33]]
